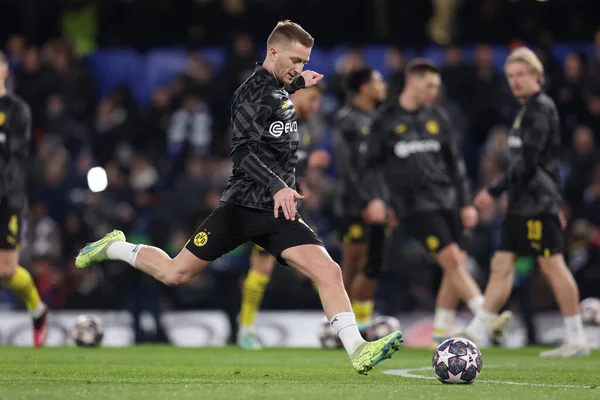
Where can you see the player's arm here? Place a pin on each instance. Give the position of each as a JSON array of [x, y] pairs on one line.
[[249, 118], [350, 166], [536, 131], [376, 210], [456, 164]]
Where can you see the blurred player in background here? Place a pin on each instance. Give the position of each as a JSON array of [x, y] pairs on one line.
[[15, 137], [259, 202], [413, 146], [363, 243], [307, 103], [533, 225]]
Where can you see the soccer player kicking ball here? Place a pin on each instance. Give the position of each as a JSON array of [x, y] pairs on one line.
[[532, 226], [259, 202], [15, 135], [306, 103]]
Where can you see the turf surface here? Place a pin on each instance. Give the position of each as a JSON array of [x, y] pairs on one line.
[[161, 372]]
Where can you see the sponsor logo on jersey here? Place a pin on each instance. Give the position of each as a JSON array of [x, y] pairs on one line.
[[405, 149], [278, 128], [515, 141]]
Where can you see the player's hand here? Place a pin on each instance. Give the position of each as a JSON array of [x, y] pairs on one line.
[[311, 78], [319, 159], [286, 199], [483, 199], [469, 217], [375, 212]]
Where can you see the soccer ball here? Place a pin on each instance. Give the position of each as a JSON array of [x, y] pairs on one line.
[[457, 360], [590, 311], [328, 338], [382, 326], [88, 331]]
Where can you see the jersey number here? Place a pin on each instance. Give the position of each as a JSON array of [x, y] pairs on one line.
[[534, 229]]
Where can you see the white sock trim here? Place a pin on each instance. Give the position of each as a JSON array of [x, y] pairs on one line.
[[476, 304], [346, 328]]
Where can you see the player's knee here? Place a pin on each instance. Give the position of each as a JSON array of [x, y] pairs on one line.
[[7, 268], [329, 273], [451, 259], [500, 267]]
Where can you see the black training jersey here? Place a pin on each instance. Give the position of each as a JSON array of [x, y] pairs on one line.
[[350, 136], [15, 134], [265, 141], [532, 179], [418, 157], [305, 147]]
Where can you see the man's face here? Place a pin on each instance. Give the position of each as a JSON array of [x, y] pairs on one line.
[[289, 59], [307, 102], [377, 87], [523, 80], [427, 88]]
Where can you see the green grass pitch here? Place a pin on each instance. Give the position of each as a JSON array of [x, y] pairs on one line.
[[162, 372]]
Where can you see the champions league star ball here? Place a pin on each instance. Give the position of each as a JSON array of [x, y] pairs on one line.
[[457, 360], [328, 338], [88, 331], [382, 326], [590, 311]]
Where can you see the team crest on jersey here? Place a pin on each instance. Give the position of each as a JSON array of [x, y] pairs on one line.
[[432, 243], [400, 128], [365, 130], [286, 104], [432, 127], [2, 118], [201, 239]]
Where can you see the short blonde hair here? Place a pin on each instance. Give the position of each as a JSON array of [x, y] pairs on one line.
[[291, 31], [526, 56]]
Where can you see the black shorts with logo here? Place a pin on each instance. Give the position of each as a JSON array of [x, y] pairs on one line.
[[11, 208], [435, 229], [531, 236], [231, 225]]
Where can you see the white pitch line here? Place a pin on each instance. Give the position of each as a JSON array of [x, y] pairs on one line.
[[406, 373]]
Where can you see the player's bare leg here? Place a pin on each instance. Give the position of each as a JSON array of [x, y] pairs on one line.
[[446, 303], [19, 280], [315, 262], [148, 259], [567, 295], [354, 256], [253, 290], [497, 292], [452, 258], [453, 262]]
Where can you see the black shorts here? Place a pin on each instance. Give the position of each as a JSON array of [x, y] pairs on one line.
[[231, 225], [527, 236], [435, 229], [353, 229], [11, 209]]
